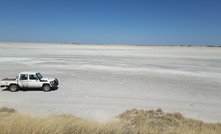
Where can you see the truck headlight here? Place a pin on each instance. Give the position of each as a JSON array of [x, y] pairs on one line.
[[51, 82]]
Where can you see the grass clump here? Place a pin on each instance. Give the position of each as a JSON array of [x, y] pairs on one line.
[[159, 122], [132, 121], [7, 110]]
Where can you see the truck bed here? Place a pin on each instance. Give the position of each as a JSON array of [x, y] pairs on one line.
[[9, 79]]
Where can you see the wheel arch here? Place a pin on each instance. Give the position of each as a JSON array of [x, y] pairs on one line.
[[45, 84], [13, 84]]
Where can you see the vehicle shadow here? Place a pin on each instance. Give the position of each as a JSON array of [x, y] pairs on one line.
[[30, 89]]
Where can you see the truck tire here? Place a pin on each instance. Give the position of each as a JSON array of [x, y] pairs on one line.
[[46, 88], [13, 88]]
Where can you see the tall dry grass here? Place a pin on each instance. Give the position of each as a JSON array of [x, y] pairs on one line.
[[133, 121]]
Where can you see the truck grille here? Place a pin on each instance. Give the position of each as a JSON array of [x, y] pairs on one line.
[[56, 82]]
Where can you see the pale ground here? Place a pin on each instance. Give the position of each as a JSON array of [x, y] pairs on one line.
[[99, 82]]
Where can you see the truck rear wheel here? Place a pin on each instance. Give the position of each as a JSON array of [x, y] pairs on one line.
[[46, 88], [13, 88]]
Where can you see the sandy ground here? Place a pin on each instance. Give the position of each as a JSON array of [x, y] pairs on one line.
[[99, 82]]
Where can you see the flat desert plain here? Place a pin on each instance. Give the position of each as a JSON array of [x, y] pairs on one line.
[[100, 82]]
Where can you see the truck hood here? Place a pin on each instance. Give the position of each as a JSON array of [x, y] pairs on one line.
[[47, 79]]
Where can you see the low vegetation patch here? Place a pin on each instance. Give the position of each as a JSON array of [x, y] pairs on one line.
[[159, 122], [133, 121], [7, 110]]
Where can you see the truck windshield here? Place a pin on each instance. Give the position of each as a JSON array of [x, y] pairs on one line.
[[39, 75]]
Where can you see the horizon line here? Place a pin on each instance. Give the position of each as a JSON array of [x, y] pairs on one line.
[[83, 44]]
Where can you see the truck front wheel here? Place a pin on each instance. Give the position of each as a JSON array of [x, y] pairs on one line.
[[13, 88], [46, 88]]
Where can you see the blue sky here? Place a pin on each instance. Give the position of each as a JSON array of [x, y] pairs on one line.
[[132, 22]]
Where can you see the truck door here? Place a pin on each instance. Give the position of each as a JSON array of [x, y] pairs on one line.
[[34, 81], [23, 80]]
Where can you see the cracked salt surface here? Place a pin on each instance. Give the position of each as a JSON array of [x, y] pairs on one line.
[[99, 82]]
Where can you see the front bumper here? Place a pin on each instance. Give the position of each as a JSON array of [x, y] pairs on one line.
[[55, 83]]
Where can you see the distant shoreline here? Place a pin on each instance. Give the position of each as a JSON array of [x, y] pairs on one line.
[[79, 44]]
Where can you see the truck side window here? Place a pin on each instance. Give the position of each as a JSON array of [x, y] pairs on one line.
[[23, 77], [32, 77]]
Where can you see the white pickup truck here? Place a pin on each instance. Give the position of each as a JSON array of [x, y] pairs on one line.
[[29, 80]]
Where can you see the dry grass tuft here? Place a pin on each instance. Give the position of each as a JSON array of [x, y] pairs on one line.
[[157, 121], [4, 112], [132, 121], [7, 110]]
